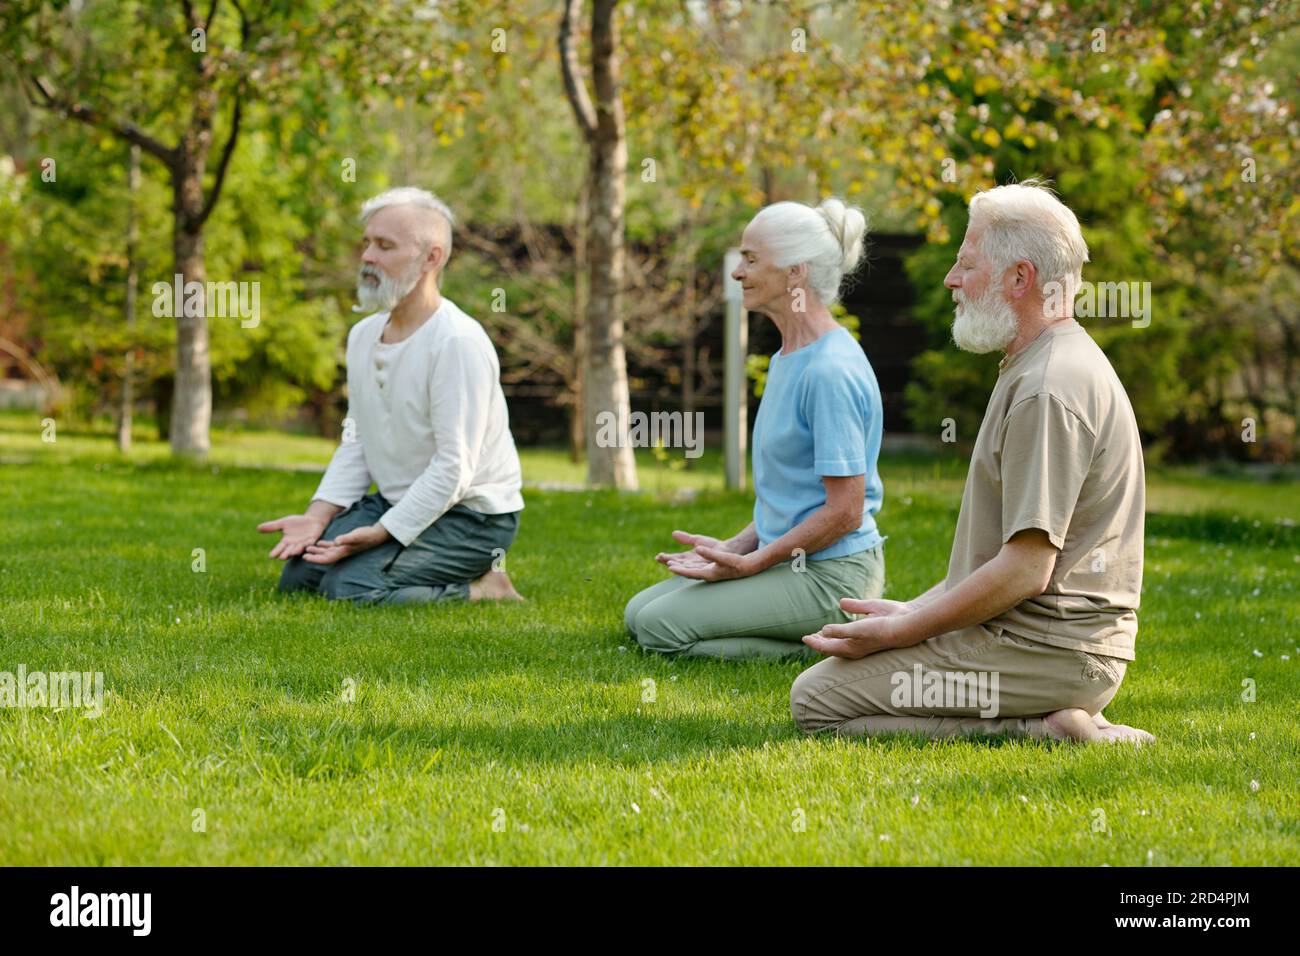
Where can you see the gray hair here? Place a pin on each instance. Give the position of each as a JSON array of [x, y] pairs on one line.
[[829, 238], [436, 227], [1026, 221]]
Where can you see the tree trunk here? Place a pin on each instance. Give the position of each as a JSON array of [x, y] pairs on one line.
[[581, 278], [192, 395], [606, 377], [132, 281], [192, 399]]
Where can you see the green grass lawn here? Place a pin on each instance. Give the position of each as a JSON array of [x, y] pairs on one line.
[[226, 698]]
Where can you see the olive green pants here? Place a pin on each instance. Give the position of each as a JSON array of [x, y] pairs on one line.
[[763, 615]]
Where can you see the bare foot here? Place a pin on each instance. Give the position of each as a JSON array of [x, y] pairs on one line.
[[494, 586], [1122, 733], [1075, 724], [1113, 733], [1072, 723]]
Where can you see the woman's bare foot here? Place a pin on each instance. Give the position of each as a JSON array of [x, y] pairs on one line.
[[1075, 724], [494, 586]]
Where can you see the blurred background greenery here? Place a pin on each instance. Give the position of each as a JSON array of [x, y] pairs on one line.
[[1169, 129]]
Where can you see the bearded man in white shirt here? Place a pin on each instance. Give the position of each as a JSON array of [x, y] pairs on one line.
[[427, 424]]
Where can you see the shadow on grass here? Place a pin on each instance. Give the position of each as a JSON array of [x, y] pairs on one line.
[[312, 749], [1220, 527]]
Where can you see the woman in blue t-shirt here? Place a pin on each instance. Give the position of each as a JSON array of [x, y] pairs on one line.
[[815, 444]]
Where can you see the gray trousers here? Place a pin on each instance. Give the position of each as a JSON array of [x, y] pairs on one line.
[[437, 566]]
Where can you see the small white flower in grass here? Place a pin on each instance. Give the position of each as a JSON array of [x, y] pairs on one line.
[[1254, 785], [1023, 798], [1198, 615], [916, 798], [884, 838], [1286, 657], [622, 649], [1151, 855], [1257, 652], [635, 807], [1252, 735]]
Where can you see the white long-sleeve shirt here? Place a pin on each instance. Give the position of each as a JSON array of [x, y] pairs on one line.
[[427, 422]]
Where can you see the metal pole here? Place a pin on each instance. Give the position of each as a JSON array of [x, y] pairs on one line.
[[736, 390]]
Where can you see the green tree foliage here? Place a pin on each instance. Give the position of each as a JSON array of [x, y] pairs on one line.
[[1169, 128], [1148, 126]]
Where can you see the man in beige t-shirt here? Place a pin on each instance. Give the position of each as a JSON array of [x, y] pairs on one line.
[[1032, 629]]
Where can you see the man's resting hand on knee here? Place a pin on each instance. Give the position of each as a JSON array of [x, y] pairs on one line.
[[1021, 569]]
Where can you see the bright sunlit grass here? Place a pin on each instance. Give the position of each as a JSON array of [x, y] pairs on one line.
[[227, 699]]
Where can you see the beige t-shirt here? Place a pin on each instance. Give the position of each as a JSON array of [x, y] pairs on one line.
[[1059, 450]]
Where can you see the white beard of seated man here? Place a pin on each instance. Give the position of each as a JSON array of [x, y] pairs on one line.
[[427, 424]]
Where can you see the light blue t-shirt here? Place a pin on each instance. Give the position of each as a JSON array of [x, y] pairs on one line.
[[820, 416]]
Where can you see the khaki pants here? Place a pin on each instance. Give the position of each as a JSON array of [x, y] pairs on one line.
[[978, 680]]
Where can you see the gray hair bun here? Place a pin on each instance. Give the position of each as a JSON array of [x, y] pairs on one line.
[[849, 227]]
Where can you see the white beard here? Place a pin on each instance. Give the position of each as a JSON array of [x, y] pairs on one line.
[[390, 290], [986, 324]]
